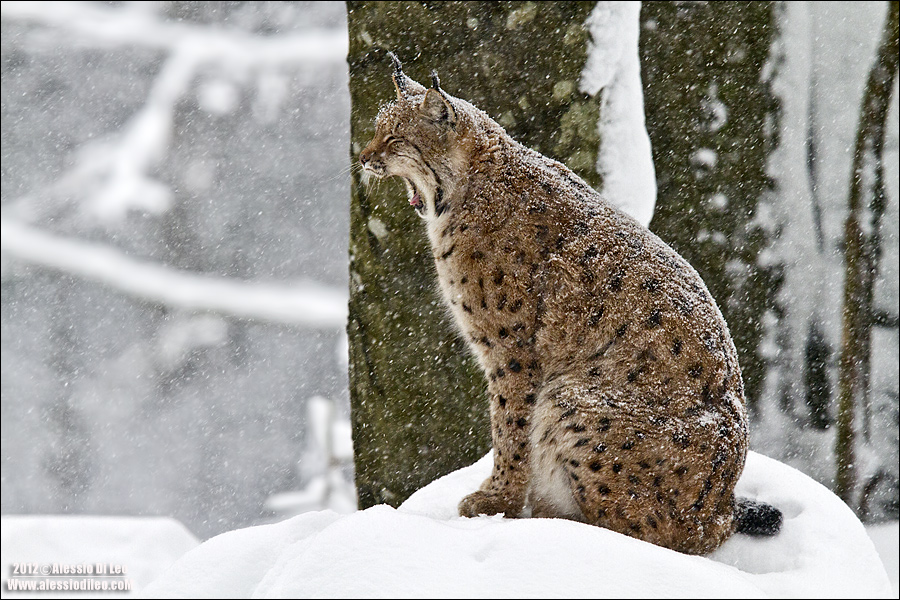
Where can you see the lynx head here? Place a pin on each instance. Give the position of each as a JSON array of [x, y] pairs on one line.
[[418, 138]]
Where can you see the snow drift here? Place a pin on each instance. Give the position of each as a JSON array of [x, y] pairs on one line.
[[424, 549], [145, 546]]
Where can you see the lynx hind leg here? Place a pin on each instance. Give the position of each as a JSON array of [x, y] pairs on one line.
[[550, 492], [609, 461]]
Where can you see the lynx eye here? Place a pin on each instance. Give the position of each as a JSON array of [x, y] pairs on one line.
[[391, 140]]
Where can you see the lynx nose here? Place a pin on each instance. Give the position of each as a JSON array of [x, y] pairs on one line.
[[365, 156], [370, 163]]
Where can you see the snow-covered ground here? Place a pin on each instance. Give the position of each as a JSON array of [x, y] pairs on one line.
[[886, 537], [143, 546], [424, 549], [157, 277]]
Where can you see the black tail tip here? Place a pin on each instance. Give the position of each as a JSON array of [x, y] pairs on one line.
[[757, 518]]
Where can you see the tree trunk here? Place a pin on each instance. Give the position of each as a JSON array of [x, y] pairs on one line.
[[862, 249], [710, 113], [419, 408]]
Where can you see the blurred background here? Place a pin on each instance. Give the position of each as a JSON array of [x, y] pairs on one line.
[[175, 193], [170, 154]]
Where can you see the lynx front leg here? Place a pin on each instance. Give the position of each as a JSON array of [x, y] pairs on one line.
[[513, 393]]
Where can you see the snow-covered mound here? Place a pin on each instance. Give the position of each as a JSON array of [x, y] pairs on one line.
[[423, 549], [143, 546], [885, 537]]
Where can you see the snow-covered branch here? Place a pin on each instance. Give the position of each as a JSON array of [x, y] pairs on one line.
[[98, 25], [306, 304], [112, 175]]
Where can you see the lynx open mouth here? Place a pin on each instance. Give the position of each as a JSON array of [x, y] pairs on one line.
[[415, 198]]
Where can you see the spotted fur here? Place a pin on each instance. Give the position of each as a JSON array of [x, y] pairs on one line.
[[616, 395]]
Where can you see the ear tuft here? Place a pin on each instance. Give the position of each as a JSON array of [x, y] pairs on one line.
[[437, 107], [404, 85], [398, 66]]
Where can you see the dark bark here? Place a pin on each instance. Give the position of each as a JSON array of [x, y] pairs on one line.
[[817, 384]]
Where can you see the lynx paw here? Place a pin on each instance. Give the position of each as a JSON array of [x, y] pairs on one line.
[[486, 503]]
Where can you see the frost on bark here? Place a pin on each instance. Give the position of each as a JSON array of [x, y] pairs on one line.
[[418, 401], [710, 113], [862, 249]]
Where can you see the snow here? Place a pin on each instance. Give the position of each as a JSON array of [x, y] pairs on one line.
[[819, 67], [172, 209], [613, 70], [136, 25], [885, 537], [424, 541], [303, 303], [114, 173], [423, 549], [145, 546], [327, 465]]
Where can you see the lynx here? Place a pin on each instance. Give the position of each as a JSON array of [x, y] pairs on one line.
[[615, 393]]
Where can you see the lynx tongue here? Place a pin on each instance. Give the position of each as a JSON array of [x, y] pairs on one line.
[[416, 199]]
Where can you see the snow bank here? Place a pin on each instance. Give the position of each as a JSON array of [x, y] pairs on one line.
[[885, 537], [145, 546], [423, 549]]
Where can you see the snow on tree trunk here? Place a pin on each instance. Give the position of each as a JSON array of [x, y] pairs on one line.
[[710, 115], [419, 408], [613, 70], [862, 252]]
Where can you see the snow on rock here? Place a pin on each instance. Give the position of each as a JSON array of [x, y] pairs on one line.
[[613, 70], [424, 549], [145, 546]]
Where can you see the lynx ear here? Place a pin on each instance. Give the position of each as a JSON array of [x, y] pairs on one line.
[[436, 105], [404, 85]]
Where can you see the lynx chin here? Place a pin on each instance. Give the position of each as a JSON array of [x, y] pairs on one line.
[[615, 393]]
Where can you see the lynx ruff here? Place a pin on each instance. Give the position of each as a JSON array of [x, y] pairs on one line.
[[615, 393]]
